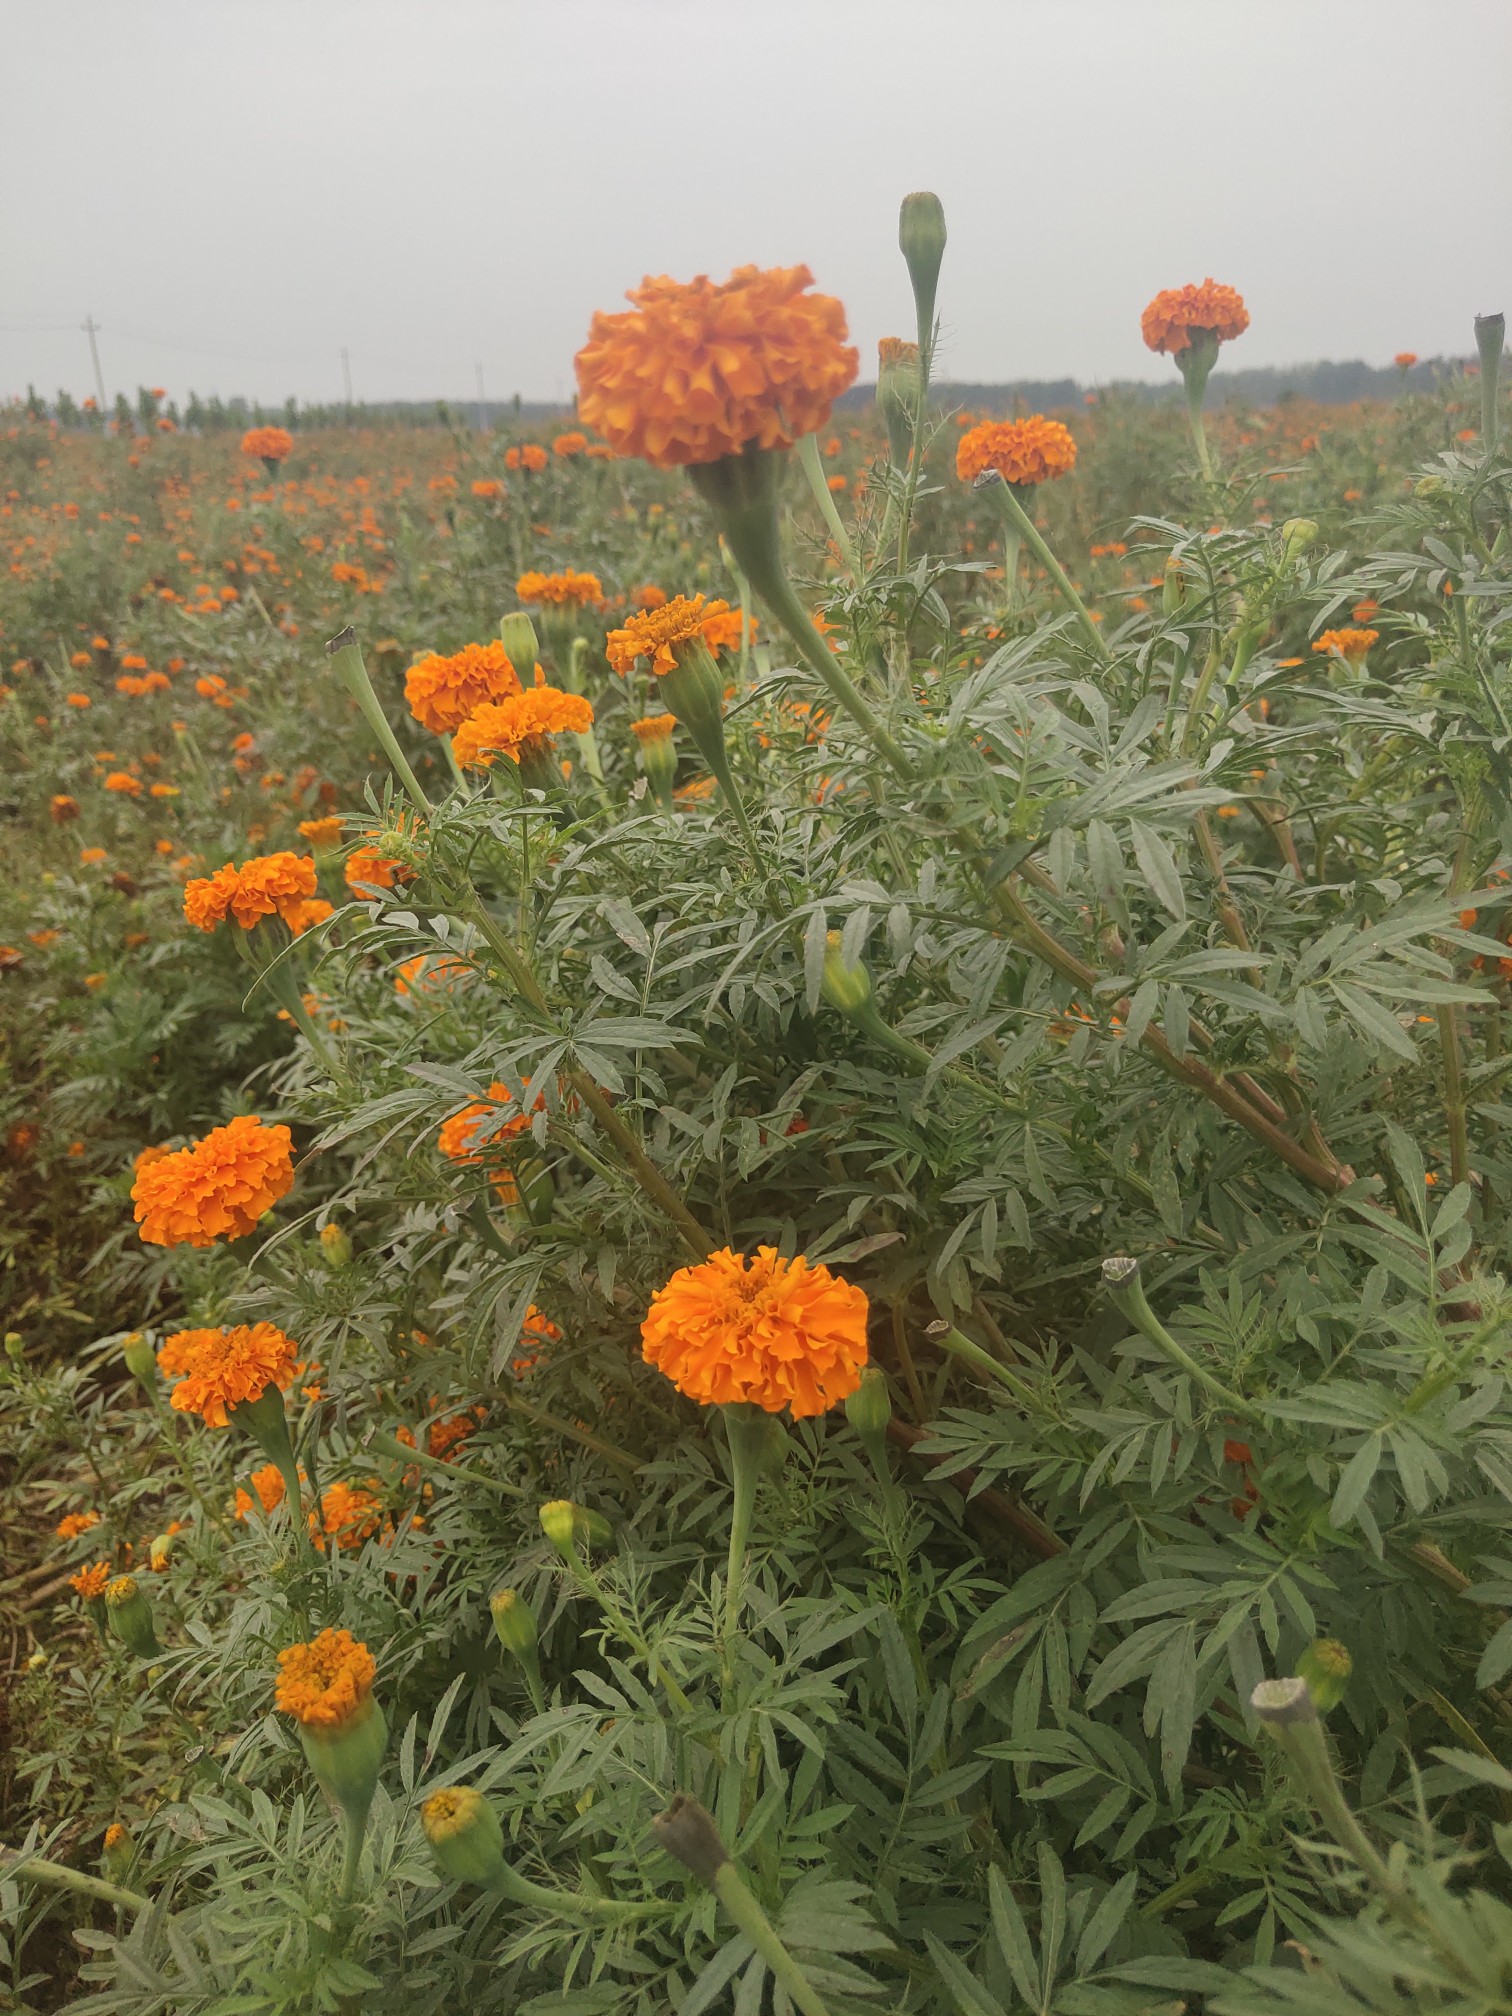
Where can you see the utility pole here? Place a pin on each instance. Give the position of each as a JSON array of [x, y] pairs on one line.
[[482, 409], [91, 329], [346, 375]]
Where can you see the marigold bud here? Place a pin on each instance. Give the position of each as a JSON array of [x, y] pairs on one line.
[[868, 1409], [465, 1835], [335, 1245], [846, 987], [1297, 534], [117, 1854], [1173, 588], [521, 646], [141, 1360], [559, 1524], [514, 1623], [15, 1346], [1429, 486], [1326, 1667], [921, 239], [130, 1618]]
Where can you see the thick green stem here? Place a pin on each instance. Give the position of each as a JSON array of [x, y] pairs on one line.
[[737, 1898], [59, 1877], [749, 1432], [346, 662], [1121, 1277], [1017, 519], [353, 1826], [818, 482]]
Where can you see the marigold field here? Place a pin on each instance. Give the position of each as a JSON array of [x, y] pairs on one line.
[[754, 1187]]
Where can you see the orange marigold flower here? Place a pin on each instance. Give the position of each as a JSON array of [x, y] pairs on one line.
[[367, 869], [324, 1684], [442, 692], [530, 457], [457, 1139], [1028, 451], [123, 782], [270, 885], [561, 589], [652, 634], [779, 1333], [1352, 644], [220, 1369], [1168, 322], [268, 1484], [568, 445], [442, 1437], [1405, 359], [521, 723], [722, 627], [349, 1514], [216, 1189], [273, 444], [693, 372], [654, 728], [62, 809], [91, 1582], [649, 596], [321, 833], [487, 486], [429, 973], [75, 1523]]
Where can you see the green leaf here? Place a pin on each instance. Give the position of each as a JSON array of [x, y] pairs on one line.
[[1158, 865]]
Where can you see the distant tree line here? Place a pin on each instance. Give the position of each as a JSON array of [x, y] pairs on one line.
[[1327, 384]]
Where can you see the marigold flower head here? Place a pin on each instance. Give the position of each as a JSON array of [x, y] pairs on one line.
[[653, 633], [75, 1523], [532, 458], [123, 782], [1351, 644], [521, 723], [694, 372], [367, 869], [323, 832], [268, 1484], [1168, 322], [216, 1189], [91, 1582], [654, 728], [567, 445], [1028, 451], [442, 692], [63, 808], [349, 1514], [271, 885], [1405, 359], [564, 590], [649, 596], [217, 1370], [779, 1333], [325, 1683], [457, 1139], [273, 444]]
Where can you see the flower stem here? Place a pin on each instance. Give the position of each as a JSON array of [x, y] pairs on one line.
[[813, 469], [1017, 519], [737, 1898], [1121, 1277], [346, 662], [61, 1877], [749, 1432]]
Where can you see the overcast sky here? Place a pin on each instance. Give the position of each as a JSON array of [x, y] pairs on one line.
[[236, 189]]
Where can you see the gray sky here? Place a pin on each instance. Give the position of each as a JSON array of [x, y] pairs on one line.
[[237, 188]]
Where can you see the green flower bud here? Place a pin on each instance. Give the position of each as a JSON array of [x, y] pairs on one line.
[[521, 646], [514, 1623], [117, 1854], [1490, 340], [1429, 486], [130, 1618], [1326, 1667], [559, 1524], [15, 1346], [921, 240], [898, 392], [335, 1245], [847, 988], [465, 1836], [1173, 588], [345, 1756], [869, 1409], [1297, 534], [141, 1360]]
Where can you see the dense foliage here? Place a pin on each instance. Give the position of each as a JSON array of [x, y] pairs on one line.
[[1144, 928]]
